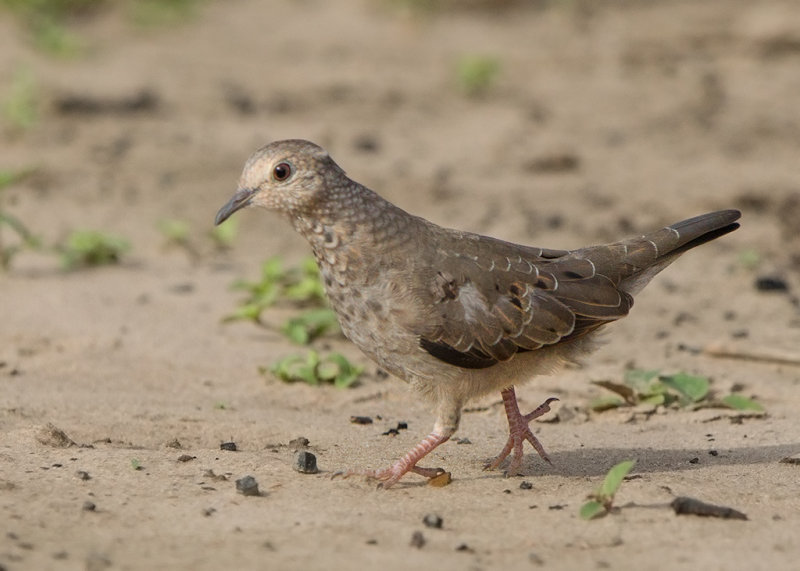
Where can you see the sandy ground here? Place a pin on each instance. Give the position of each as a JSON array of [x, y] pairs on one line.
[[605, 121]]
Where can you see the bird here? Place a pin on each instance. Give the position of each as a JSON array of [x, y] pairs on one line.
[[455, 314]]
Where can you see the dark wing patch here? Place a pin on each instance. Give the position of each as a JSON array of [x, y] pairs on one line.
[[472, 359], [489, 311]]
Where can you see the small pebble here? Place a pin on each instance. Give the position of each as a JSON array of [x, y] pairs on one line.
[[713, 452], [305, 462], [771, 283], [186, 458], [247, 486], [535, 559], [464, 547], [229, 446], [88, 506], [694, 460], [433, 521], [361, 420], [417, 540], [525, 485], [83, 475]]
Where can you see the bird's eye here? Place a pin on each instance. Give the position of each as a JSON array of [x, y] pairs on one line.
[[282, 171]]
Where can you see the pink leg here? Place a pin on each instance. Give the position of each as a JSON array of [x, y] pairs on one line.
[[519, 432], [390, 476]]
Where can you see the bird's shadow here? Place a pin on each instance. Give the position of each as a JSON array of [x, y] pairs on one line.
[[597, 461]]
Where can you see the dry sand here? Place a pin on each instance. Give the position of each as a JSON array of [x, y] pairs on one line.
[[606, 120]]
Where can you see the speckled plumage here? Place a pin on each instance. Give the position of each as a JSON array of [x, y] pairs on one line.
[[456, 314]]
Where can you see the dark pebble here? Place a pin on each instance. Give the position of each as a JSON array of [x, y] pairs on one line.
[[417, 540], [433, 520], [83, 475], [525, 485], [88, 506], [247, 486], [771, 283], [694, 460], [305, 462], [464, 547], [229, 446], [713, 452], [361, 420], [186, 458]]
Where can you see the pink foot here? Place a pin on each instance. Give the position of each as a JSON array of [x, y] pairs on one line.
[[518, 433], [391, 475]]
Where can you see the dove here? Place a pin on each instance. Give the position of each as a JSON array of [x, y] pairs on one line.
[[456, 314]]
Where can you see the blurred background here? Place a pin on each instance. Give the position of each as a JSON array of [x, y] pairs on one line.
[[566, 121]]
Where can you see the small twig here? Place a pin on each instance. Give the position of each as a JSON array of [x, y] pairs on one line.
[[758, 354]]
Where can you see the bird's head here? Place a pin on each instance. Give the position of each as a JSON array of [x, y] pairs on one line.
[[291, 177]]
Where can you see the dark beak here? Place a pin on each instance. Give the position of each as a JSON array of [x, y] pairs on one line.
[[238, 201]]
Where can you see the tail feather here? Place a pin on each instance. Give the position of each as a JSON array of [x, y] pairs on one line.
[[648, 255]]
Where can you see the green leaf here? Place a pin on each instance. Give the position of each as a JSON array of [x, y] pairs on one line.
[[655, 400], [272, 269], [224, 234], [313, 370], [92, 248], [691, 387], [613, 479], [641, 380], [739, 402], [348, 373], [606, 403], [309, 325], [477, 73], [175, 230], [592, 509], [749, 258]]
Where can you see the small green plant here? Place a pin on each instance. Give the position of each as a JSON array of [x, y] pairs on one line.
[[310, 324], [21, 103], [643, 386], [177, 234], [136, 464], [749, 258], [25, 239], [224, 234], [315, 370], [602, 499], [476, 74], [300, 285], [91, 248], [46, 20], [175, 231]]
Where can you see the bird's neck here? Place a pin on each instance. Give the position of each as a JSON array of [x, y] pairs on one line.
[[355, 228]]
